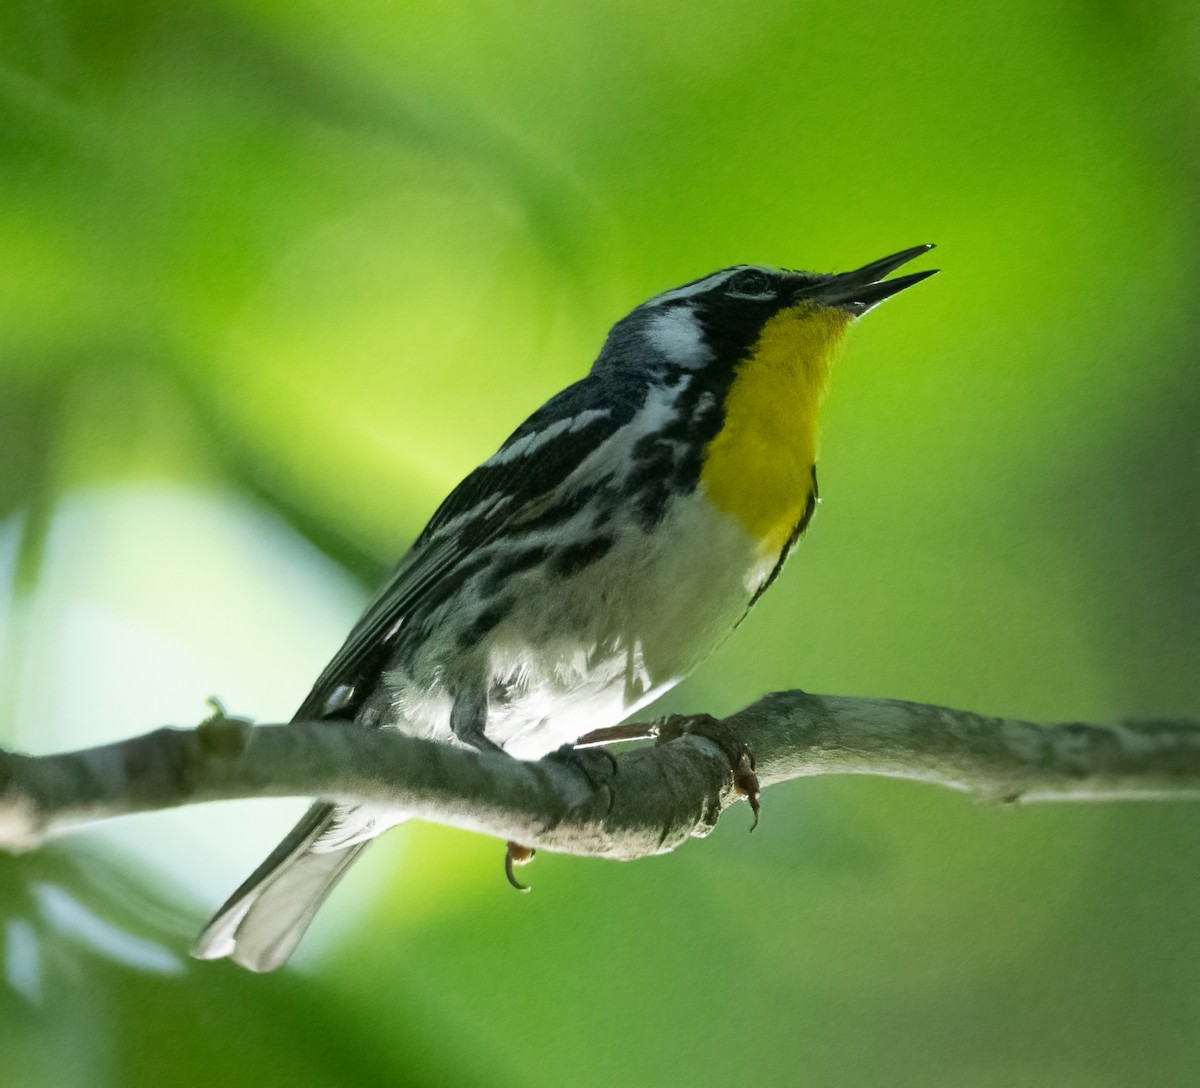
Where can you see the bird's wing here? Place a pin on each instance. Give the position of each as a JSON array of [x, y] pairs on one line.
[[528, 477], [537, 474]]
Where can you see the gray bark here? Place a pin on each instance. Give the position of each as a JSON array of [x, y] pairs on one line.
[[638, 802]]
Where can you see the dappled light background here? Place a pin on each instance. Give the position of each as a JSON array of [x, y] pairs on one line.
[[274, 276]]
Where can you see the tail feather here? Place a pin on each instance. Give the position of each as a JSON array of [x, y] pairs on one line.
[[262, 922]]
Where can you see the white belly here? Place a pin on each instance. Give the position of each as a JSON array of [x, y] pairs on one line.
[[583, 652]]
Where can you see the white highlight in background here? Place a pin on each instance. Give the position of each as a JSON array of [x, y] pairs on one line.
[[152, 598]]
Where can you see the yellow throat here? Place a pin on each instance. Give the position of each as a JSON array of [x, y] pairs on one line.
[[759, 467]]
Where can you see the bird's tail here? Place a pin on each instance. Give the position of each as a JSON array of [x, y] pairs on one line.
[[260, 925]]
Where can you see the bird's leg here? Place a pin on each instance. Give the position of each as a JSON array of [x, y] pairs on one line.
[[468, 722], [741, 759]]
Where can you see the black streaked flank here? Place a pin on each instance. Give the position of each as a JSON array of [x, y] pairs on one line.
[[668, 462], [441, 563], [503, 569], [450, 582], [552, 516], [577, 557], [484, 623]]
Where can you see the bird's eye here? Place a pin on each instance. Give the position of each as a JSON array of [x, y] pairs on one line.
[[750, 282]]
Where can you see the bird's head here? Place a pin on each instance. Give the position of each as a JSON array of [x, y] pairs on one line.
[[723, 319]]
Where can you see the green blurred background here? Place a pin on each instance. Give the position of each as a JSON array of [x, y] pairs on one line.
[[273, 276]]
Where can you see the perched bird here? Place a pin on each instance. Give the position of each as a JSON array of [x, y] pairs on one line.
[[617, 536]]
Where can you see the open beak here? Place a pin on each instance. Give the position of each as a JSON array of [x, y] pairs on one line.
[[860, 290]]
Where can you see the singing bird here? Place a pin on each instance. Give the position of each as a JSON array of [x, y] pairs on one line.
[[618, 535]]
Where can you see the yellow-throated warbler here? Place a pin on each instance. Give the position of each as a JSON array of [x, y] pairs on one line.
[[617, 537]]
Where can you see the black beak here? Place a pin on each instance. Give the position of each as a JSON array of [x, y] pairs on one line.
[[858, 291]]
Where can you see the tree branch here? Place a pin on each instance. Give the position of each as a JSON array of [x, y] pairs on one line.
[[642, 801]]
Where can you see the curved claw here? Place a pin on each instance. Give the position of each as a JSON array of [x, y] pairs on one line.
[[746, 781], [517, 855]]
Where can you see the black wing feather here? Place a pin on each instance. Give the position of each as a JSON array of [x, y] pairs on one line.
[[439, 560]]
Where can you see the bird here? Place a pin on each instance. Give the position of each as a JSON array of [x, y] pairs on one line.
[[616, 537]]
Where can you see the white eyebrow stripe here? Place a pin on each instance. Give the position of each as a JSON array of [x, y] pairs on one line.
[[697, 288]]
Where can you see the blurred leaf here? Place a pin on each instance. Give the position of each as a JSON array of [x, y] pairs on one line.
[[90, 943]]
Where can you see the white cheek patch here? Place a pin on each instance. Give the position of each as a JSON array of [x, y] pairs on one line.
[[677, 334]]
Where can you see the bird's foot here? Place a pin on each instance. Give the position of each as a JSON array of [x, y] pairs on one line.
[[741, 759]]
